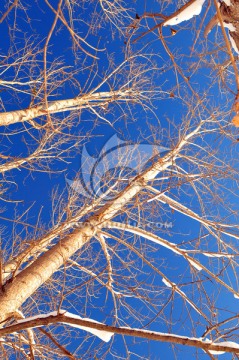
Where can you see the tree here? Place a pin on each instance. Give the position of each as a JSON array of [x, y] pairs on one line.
[[148, 251]]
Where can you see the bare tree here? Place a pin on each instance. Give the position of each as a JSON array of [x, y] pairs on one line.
[[148, 250]]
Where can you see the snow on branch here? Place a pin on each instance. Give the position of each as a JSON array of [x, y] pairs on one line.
[[172, 285], [173, 247], [101, 334], [154, 238], [65, 317], [186, 12], [175, 205], [108, 331]]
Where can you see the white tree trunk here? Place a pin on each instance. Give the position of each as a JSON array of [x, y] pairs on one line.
[[81, 102]]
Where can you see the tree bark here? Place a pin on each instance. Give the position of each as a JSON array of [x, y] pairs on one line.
[[54, 107]]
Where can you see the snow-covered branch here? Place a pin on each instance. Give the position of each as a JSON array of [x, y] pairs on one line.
[[105, 332]]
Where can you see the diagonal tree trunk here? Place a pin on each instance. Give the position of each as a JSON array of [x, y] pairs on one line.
[[15, 293]]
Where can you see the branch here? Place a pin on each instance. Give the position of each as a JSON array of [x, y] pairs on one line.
[[54, 107], [208, 345]]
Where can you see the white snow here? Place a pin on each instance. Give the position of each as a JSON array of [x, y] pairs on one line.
[[169, 245], [216, 255], [228, 26], [227, 2], [121, 293], [236, 296], [228, 343], [163, 334], [181, 293], [166, 282], [39, 316], [194, 264], [106, 336], [186, 14], [224, 343], [215, 352], [103, 335]]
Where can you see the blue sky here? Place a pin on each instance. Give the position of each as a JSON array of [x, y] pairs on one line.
[[159, 123]]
